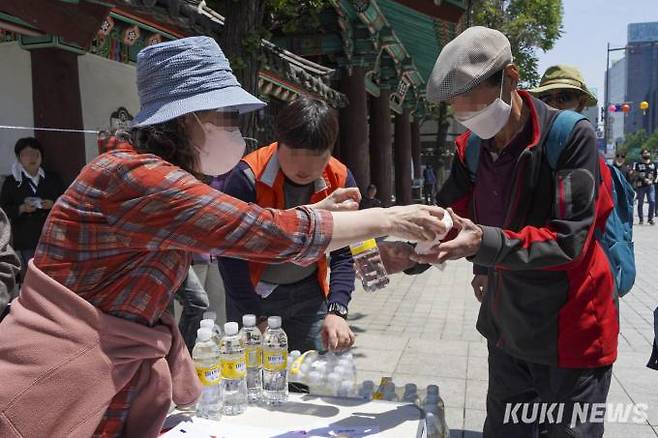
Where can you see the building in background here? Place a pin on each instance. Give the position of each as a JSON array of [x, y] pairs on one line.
[[642, 77], [616, 95], [592, 112], [70, 64]]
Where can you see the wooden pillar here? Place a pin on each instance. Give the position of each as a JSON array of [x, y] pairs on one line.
[[354, 144], [381, 146], [403, 158], [56, 102], [415, 148]]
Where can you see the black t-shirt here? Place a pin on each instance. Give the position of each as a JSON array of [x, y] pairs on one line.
[[645, 174]]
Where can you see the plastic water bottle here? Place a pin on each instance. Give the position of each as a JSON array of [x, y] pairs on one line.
[[434, 414], [333, 383], [253, 341], [292, 357], [210, 325], [206, 362], [234, 370], [275, 360], [389, 392], [217, 330], [369, 266], [367, 389], [433, 396], [411, 393]]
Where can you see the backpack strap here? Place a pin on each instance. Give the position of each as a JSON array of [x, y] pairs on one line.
[[558, 135], [472, 155], [556, 140]]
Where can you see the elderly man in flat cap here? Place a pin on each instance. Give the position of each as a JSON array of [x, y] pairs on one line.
[[526, 203]]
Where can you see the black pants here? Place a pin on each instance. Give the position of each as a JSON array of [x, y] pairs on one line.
[[514, 382], [302, 308]]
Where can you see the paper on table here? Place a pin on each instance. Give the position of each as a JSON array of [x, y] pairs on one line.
[[211, 429], [202, 428]]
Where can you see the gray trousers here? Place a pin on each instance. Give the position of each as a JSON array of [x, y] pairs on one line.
[[212, 282]]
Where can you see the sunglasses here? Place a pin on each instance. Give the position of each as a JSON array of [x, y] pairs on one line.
[[558, 98]]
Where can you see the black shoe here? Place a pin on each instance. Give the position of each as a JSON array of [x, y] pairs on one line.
[[641, 222], [651, 222]]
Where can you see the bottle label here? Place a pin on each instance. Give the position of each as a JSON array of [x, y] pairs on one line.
[[208, 376], [234, 368], [379, 394], [275, 360], [254, 356], [296, 366], [362, 247]]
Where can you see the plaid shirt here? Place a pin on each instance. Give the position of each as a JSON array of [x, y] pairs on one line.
[[123, 233]]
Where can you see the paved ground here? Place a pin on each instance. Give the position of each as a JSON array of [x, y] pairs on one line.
[[421, 329]]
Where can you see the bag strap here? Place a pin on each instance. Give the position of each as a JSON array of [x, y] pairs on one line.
[[558, 135], [472, 155], [556, 140]]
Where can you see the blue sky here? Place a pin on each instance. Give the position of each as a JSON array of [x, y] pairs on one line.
[[588, 25]]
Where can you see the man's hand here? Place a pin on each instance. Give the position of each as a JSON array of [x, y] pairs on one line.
[[396, 256], [336, 333], [466, 244], [346, 199], [47, 204], [480, 283]]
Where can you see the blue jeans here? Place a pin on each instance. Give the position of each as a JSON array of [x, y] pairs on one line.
[[302, 307], [650, 193], [194, 299]]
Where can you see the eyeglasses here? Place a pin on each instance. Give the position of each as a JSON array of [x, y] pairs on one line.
[[561, 98], [220, 118]]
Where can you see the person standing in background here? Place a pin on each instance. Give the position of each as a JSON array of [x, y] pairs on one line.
[[370, 201], [429, 184], [27, 196], [563, 87], [644, 177], [622, 166]]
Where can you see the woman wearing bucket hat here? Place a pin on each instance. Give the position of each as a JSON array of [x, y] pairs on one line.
[[90, 326], [563, 87]]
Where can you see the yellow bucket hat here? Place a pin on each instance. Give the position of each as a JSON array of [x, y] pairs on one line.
[[560, 77]]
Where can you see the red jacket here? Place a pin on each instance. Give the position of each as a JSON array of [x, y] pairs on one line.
[[551, 296]]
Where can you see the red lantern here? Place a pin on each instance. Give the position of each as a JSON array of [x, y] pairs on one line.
[[612, 108], [625, 108]]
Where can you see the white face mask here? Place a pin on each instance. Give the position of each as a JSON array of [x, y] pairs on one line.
[[221, 150], [490, 120]]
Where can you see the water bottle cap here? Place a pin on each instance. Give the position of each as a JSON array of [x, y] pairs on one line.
[[203, 334], [274, 322], [210, 315], [368, 384], [249, 320], [207, 323], [346, 385], [432, 389], [333, 377], [340, 370], [295, 353], [231, 328], [410, 387]]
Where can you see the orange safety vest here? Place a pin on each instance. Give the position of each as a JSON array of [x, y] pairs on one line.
[[269, 180]]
